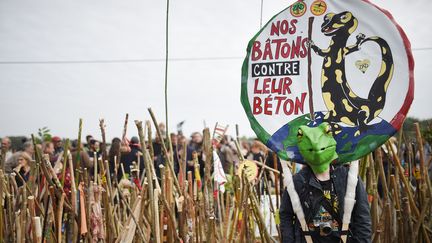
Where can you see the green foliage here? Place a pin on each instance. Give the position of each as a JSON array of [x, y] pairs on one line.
[[425, 128], [43, 135], [427, 135]]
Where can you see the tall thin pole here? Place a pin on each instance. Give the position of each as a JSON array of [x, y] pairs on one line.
[[261, 14], [166, 67], [168, 137]]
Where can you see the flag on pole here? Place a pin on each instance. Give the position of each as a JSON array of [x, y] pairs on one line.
[[218, 133], [218, 173], [197, 173]]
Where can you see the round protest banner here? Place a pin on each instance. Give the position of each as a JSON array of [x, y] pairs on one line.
[[347, 63]]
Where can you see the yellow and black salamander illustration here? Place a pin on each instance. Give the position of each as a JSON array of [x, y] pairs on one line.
[[341, 101]]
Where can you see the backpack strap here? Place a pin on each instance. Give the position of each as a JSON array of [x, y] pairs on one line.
[[349, 197], [295, 200]]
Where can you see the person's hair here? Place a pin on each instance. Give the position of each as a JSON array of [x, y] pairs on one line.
[[8, 139], [115, 148], [24, 155], [27, 145]]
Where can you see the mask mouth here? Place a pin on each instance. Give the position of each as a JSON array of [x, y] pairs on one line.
[[319, 157]]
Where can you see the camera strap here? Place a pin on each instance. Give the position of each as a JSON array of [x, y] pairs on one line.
[[295, 200], [350, 195], [329, 204]]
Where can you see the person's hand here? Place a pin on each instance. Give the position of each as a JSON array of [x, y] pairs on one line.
[[18, 168]]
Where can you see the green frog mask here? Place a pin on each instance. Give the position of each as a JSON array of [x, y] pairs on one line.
[[317, 146]]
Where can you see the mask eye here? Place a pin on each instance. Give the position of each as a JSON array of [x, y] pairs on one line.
[[343, 17], [328, 129], [299, 133]]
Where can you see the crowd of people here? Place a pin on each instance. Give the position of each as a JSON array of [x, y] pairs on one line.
[[123, 154]]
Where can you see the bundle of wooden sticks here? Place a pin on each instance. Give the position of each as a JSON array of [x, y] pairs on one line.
[[178, 207]]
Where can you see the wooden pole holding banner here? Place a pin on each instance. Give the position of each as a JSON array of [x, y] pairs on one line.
[[309, 58]]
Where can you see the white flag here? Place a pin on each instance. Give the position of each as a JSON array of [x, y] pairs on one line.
[[218, 172]]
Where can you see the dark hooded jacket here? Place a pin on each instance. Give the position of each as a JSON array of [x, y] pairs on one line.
[[310, 193]]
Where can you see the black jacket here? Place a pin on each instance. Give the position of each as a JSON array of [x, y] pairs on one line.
[[130, 157], [309, 191]]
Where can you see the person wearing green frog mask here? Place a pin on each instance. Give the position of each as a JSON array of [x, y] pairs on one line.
[[321, 187]]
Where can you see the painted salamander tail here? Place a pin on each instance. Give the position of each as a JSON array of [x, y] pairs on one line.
[[377, 94]]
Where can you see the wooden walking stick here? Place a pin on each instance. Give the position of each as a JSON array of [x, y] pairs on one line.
[[83, 219], [60, 217], [132, 214], [386, 207], [400, 224], [11, 206], [3, 158], [104, 150], [276, 176], [425, 181], [23, 213], [37, 228], [95, 168], [73, 194], [207, 145], [272, 208], [148, 170], [169, 157], [258, 215], [78, 154], [2, 220], [123, 139], [183, 199], [406, 184], [163, 190], [372, 186], [149, 139], [19, 228], [65, 161], [191, 203], [156, 222]]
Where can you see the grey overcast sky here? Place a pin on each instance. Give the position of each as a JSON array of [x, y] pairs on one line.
[[57, 95]]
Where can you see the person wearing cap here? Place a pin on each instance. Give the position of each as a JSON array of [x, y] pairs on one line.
[[58, 145]]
